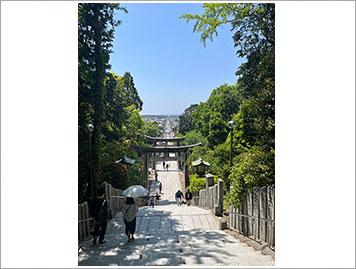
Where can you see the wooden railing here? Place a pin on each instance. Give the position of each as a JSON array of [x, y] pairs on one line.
[[115, 201], [255, 218], [84, 222]]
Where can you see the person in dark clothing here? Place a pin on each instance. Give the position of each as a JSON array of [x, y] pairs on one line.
[[157, 196], [152, 201], [160, 187], [164, 165], [179, 196], [188, 197], [100, 211], [129, 210]]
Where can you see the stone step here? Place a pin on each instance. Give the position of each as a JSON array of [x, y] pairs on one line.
[[168, 235]]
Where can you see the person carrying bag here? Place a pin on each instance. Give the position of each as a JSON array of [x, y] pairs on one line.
[[188, 197], [129, 210], [100, 211]]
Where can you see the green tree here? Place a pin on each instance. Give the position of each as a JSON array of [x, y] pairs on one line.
[[201, 118], [194, 137], [152, 129], [211, 117], [130, 92], [136, 175], [254, 168], [115, 114], [253, 27], [96, 26], [186, 120], [218, 129], [117, 175]]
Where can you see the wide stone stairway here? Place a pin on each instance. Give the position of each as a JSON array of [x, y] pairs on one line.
[[170, 235]]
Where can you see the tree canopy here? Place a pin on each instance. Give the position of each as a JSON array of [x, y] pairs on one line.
[[250, 103], [108, 101], [186, 120]]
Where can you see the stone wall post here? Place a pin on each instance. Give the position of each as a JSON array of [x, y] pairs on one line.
[[220, 195], [209, 181], [203, 197], [211, 197], [263, 213]]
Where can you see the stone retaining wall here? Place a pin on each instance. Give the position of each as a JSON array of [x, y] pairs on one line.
[[212, 196]]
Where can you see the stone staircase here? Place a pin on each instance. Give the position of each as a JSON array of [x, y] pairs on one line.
[[162, 240], [171, 235]]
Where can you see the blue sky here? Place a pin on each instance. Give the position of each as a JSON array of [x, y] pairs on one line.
[[170, 66]]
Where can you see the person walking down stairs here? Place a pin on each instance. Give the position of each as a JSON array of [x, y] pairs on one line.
[[129, 210], [158, 197], [152, 201], [188, 197], [179, 196], [99, 211]]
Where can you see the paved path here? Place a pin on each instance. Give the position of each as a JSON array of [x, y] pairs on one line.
[[170, 235], [170, 181]]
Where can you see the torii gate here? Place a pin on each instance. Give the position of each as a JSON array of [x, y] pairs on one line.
[[150, 154], [154, 141]]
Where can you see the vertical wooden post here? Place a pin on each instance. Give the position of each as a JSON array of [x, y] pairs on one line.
[[230, 216], [244, 219], [178, 154], [263, 213], [200, 198], [270, 215], [256, 212], [249, 212], [153, 155], [239, 218], [87, 222], [145, 171], [186, 174], [253, 214], [82, 223], [79, 223]]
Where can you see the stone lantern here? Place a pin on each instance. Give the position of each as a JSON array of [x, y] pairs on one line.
[[126, 161], [200, 165]]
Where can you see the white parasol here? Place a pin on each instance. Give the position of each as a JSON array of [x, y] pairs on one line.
[[135, 191]]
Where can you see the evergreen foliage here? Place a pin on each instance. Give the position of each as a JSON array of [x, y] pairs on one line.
[[250, 103], [198, 183], [96, 26], [108, 101], [186, 121]]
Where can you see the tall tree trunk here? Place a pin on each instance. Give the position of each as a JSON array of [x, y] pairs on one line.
[[98, 96]]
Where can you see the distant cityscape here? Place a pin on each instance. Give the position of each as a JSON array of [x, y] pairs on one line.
[[165, 123]]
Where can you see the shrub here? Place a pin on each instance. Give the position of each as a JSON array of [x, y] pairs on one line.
[[254, 168], [136, 175], [198, 183], [117, 175]]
